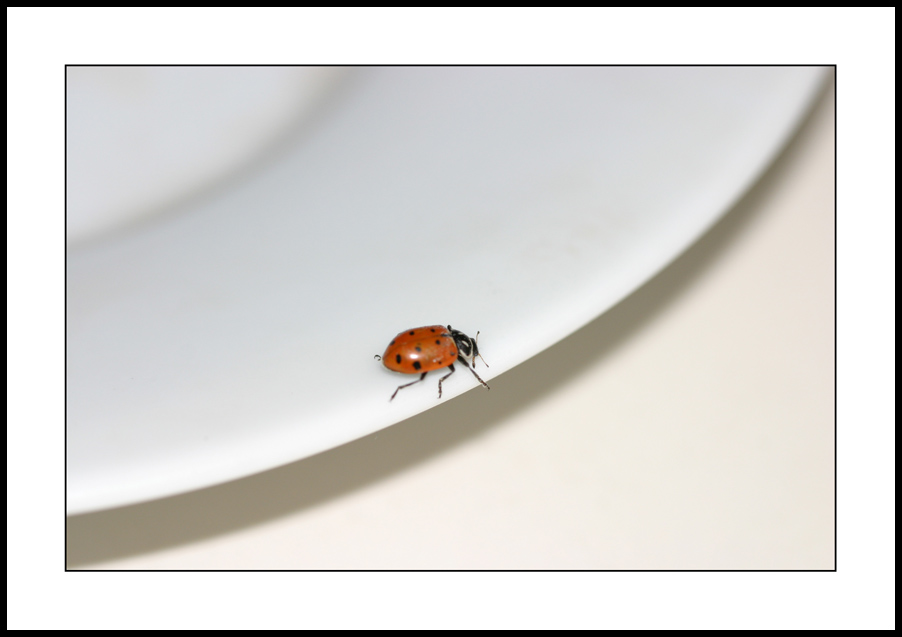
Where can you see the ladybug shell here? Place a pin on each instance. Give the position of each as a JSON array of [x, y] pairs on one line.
[[421, 349]]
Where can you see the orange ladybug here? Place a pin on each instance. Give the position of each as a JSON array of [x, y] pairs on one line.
[[423, 349]]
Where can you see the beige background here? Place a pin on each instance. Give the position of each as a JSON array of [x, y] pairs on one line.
[[690, 427]]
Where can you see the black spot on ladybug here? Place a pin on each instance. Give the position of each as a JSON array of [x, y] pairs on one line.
[[398, 359], [431, 329], [392, 343], [418, 348], [411, 332], [438, 342], [416, 365]]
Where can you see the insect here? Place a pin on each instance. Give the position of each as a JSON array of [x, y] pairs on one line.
[[423, 349]]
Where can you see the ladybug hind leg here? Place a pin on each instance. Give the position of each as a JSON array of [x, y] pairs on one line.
[[422, 376]]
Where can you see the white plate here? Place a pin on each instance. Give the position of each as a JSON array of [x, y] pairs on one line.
[[238, 332], [145, 139]]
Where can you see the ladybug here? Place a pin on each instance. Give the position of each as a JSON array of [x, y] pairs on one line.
[[423, 349]]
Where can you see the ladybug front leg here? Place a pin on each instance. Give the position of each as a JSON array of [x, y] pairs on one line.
[[464, 361], [422, 376]]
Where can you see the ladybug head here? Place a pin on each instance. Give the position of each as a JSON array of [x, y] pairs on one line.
[[465, 344]]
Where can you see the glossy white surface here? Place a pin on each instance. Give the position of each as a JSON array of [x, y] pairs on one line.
[[143, 140], [237, 334]]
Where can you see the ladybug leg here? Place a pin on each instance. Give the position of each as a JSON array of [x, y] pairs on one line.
[[451, 367], [476, 353], [422, 376], [464, 361]]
